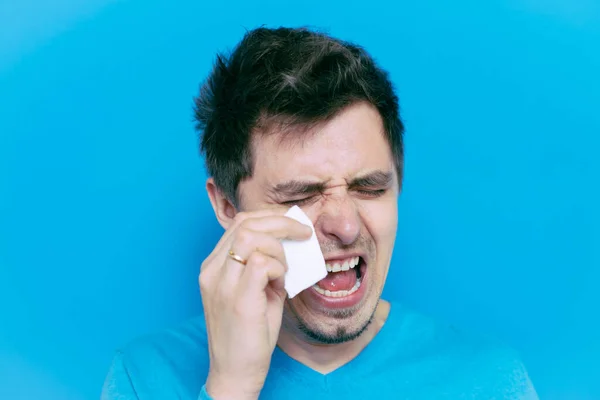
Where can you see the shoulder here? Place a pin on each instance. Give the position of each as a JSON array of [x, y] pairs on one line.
[[462, 360], [187, 339], [174, 360]]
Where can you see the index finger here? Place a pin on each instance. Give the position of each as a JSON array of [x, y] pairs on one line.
[[280, 227], [242, 216]]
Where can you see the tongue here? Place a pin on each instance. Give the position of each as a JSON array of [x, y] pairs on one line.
[[334, 281]]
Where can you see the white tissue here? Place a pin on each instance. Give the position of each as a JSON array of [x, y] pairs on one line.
[[306, 265]]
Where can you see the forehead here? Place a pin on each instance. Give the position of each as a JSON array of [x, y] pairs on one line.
[[351, 143]]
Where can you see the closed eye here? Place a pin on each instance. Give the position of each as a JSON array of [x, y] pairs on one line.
[[298, 202], [368, 193], [371, 192]]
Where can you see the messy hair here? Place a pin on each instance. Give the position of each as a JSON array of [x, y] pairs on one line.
[[277, 79]]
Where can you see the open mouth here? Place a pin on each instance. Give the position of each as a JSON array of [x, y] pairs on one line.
[[343, 279]]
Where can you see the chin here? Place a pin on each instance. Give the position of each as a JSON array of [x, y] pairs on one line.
[[325, 325]]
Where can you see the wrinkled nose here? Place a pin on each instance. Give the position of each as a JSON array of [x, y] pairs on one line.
[[339, 220]]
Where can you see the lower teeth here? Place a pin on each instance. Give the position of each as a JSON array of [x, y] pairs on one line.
[[338, 293]]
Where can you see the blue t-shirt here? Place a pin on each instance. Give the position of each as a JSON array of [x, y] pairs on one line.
[[412, 357]]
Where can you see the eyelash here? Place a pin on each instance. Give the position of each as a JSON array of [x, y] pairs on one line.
[[297, 202], [368, 193], [372, 193]]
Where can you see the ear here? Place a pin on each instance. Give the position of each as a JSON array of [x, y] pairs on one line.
[[225, 211]]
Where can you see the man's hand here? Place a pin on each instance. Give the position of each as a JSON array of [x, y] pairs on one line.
[[243, 301]]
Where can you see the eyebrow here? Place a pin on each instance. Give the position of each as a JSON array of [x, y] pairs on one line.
[[293, 188], [297, 188], [373, 179]]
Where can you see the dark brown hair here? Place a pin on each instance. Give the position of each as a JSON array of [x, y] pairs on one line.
[[277, 78]]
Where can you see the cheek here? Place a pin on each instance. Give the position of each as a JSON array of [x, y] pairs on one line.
[[381, 220]]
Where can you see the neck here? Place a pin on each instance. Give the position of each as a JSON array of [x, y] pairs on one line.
[[325, 358]]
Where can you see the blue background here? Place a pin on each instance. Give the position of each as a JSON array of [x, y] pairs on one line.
[[104, 220]]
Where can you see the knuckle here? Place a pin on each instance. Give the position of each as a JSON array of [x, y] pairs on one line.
[[244, 237], [261, 265], [278, 251], [279, 268], [240, 217], [204, 281], [278, 247], [258, 261], [204, 265]]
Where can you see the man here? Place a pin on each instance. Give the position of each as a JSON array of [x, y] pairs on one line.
[[295, 117]]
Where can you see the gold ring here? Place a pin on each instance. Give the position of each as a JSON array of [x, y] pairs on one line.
[[237, 258]]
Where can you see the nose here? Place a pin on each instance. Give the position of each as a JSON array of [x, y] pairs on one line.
[[339, 220]]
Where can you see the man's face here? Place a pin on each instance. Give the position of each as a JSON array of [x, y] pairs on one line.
[[343, 176]]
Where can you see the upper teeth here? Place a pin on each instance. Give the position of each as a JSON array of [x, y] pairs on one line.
[[343, 266]]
